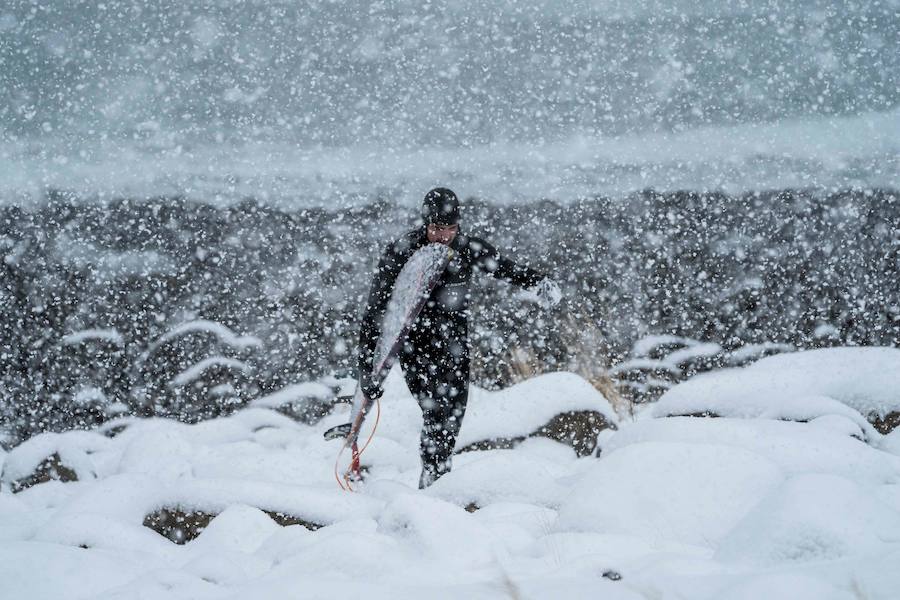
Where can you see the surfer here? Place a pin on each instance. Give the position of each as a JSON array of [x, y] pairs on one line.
[[435, 354]]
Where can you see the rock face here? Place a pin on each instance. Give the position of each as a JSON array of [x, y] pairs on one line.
[[858, 383], [887, 423], [49, 469], [578, 429], [178, 525]]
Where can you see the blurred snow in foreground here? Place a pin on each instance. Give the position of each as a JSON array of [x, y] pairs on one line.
[[746, 505]]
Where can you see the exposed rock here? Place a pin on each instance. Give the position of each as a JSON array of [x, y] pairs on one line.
[[577, 429], [706, 414], [286, 520], [49, 469], [887, 423], [177, 525], [501, 443]]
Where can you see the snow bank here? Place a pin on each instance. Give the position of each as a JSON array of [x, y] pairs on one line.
[[663, 491], [64, 572], [784, 585], [814, 517], [795, 385], [438, 529]]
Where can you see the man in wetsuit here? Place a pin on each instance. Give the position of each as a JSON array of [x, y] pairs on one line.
[[435, 357]]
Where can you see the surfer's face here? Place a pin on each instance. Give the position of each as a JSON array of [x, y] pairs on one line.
[[441, 234]]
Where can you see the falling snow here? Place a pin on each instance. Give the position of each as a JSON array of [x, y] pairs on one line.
[[193, 199]]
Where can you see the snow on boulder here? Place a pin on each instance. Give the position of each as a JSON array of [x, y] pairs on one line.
[[107, 336], [753, 352], [795, 447], [52, 457], [798, 386], [814, 517], [100, 532], [801, 409], [239, 528], [561, 406], [307, 402], [311, 506], [196, 371], [691, 494], [222, 333]]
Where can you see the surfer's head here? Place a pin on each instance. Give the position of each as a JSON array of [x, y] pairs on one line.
[[440, 211]]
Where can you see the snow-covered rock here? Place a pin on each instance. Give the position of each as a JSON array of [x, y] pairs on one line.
[[202, 327], [802, 409], [52, 456], [796, 386], [196, 371], [108, 336], [562, 406], [307, 402]]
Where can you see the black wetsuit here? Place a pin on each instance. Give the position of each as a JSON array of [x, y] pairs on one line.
[[435, 356]]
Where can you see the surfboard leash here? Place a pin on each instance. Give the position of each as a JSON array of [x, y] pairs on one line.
[[356, 454]]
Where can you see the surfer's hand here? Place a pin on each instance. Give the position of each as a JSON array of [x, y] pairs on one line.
[[372, 390], [548, 293]]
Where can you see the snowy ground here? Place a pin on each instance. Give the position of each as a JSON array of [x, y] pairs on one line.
[[745, 506]]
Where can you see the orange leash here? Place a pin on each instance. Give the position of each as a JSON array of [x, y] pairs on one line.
[[354, 464]]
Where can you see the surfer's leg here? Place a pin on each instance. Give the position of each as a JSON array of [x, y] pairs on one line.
[[419, 379], [441, 427], [443, 408], [435, 365]]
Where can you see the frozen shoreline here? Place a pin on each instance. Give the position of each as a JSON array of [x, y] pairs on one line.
[[820, 153]]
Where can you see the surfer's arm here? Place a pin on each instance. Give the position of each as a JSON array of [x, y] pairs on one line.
[[490, 260]]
